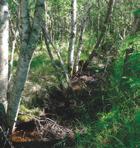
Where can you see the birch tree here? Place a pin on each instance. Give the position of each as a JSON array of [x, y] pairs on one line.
[[4, 35], [80, 40], [30, 36], [72, 36]]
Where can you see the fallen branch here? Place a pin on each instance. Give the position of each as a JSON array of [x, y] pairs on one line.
[[41, 129]]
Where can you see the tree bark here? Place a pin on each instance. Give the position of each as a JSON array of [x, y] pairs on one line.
[[45, 34], [72, 37], [80, 47], [80, 43], [103, 31], [4, 37], [29, 44], [49, 42]]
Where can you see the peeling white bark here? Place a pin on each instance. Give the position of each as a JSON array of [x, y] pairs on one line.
[[4, 35]]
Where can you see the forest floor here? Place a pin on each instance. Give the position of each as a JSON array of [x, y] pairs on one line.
[[96, 111], [65, 108]]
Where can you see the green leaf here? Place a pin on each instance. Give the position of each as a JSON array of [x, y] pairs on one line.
[[136, 12]]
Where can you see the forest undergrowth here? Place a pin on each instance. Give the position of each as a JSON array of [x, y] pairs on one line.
[[102, 105], [70, 73]]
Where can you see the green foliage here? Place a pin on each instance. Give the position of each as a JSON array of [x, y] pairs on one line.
[[121, 125], [39, 68], [137, 12], [133, 67], [39, 61], [95, 127], [28, 114], [114, 129]]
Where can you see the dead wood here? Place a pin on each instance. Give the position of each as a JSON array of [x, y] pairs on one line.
[[41, 129]]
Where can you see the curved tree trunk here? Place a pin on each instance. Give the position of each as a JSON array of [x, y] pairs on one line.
[[29, 44]]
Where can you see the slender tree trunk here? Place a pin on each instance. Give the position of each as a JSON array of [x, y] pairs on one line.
[[4, 36], [49, 42], [80, 47], [45, 33], [72, 37], [103, 31], [80, 43], [27, 50], [18, 85]]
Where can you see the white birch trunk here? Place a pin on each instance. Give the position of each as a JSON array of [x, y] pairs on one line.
[[29, 44], [72, 37], [80, 47], [80, 43], [4, 36]]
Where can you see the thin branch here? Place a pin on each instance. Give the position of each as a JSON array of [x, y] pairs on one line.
[[103, 31], [80, 44], [48, 40]]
